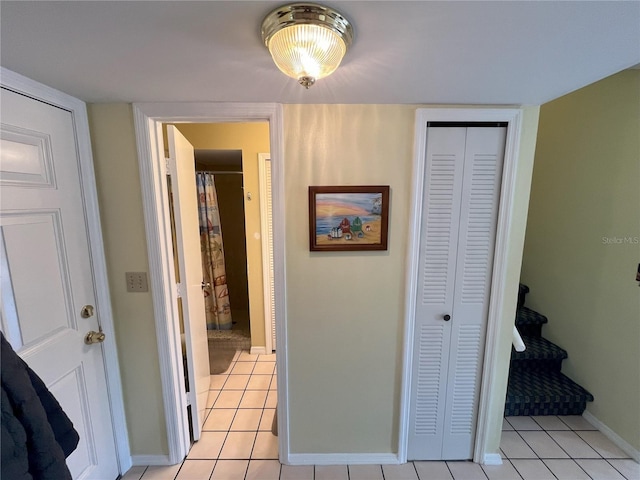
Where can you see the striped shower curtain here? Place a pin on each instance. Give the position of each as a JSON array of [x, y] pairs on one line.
[[216, 292]]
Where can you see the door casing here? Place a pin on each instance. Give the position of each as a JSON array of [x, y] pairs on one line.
[[149, 118], [33, 89], [500, 264]]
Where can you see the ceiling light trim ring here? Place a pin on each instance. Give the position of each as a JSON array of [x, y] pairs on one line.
[[306, 14]]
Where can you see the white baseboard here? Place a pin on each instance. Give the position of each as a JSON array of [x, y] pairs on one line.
[[492, 459], [613, 436], [343, 459], [258, 350], [153, 460]]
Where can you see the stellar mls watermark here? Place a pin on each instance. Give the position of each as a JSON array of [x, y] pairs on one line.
[[623, 240]]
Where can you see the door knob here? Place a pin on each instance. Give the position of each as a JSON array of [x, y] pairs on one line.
[[94, 337], [446, 318], [205, 285], [87, 311]]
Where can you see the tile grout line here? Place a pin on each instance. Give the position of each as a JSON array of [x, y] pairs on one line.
[[507, 461], [255, 438], [600, 457], [230, 370], [616, 469], [238, 408], [449, 469], [553, 440], [569, 459]]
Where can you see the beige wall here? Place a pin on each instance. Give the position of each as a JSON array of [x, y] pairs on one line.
[[585, 199], [251, 138], [120, 198], [345, 309]]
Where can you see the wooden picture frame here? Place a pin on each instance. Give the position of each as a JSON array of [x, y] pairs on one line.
[[348, 218]]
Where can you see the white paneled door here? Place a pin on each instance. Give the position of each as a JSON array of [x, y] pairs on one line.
[[460, 206], [48, 297], [185, 211]]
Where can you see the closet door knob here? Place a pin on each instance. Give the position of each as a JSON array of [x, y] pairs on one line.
[[446, 318]]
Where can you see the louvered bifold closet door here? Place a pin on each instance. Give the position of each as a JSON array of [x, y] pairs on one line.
[[460, 202], [272, 293], [437, 264], [484, 154]]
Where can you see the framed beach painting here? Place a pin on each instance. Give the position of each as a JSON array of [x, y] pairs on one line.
[[348, 218]]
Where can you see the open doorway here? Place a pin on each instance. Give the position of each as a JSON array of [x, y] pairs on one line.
[[232, 153], [220, 183], [149, 119], [217, 186]]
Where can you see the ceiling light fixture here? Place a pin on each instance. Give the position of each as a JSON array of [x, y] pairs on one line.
[[307, 41]]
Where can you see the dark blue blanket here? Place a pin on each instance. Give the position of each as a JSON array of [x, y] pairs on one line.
[[37, 435]]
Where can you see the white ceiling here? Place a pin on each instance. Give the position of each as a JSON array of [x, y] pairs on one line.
[[425, 52]]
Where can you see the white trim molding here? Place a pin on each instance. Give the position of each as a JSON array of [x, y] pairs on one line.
[[424, 115], [152, 460], [258, 351], [149, 118], [613, 436], [343, 459], [78, 110], [492, 459]]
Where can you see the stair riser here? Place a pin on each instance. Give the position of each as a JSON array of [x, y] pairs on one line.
[[536, 365], [526, 409], [530, 330], [522, 298]]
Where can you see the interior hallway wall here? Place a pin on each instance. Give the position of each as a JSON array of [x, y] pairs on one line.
[[583, 242], [120, 198], [345, 309]]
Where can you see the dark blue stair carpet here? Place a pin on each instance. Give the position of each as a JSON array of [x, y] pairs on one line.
[[529, 322], [544, 393], [540, 354], [522, 294]]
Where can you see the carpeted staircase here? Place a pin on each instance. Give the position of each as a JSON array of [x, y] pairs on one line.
[[536, 386]]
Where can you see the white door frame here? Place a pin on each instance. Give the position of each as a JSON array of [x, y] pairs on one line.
[[78, 110], [149, 118], [499, 274]]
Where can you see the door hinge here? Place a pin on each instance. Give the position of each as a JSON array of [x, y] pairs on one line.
[[188, 397], [180, 290], [167, 165]]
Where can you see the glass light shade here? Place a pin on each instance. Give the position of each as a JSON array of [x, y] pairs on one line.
[[307, 51]]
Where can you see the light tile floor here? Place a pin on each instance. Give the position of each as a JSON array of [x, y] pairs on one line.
[[237, 444]]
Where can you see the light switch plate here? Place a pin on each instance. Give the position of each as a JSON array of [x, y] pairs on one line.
[[137, 282]]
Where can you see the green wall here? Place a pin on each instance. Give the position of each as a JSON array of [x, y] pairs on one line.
[[583, 242]]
